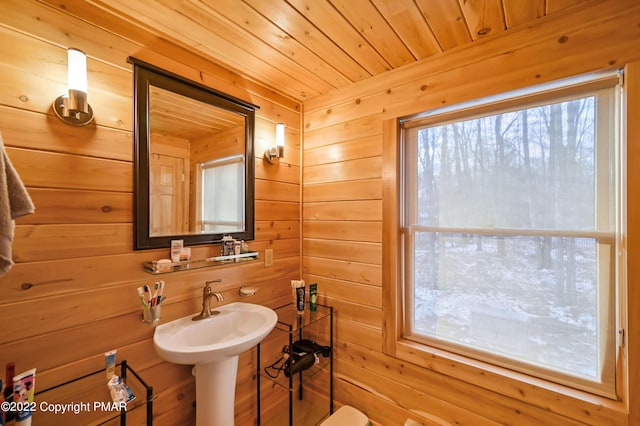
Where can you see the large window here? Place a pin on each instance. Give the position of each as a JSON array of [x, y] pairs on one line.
[[510, 226]]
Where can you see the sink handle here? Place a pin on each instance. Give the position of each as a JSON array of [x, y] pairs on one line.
[[207, 294], [207, 286]]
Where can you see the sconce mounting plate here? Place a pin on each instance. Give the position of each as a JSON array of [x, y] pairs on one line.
[[272, 155], [74, 118]]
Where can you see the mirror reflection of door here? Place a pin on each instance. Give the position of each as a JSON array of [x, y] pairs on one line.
[[167, 195], [168, 187]]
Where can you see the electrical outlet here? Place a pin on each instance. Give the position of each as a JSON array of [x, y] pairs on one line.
[[268, 257]]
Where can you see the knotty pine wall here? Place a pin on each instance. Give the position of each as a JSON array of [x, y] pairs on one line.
[[344, 188], [72, 294]]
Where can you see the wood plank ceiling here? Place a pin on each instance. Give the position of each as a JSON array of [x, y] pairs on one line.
[[304, 48]]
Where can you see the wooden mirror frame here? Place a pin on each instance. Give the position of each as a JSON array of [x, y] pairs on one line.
[[145, 75]]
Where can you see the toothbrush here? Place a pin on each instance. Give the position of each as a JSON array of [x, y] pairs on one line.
[[147, 292], [145, 305], [160, 290], [157, 293], [154, 298], [142, 299]]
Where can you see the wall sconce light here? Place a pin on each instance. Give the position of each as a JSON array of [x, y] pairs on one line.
[[72, 107], [276, 152]]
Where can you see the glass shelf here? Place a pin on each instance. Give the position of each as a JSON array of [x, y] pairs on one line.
[[155, 268], [289, 320]]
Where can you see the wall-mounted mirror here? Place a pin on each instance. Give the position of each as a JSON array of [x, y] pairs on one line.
[[194, 161]]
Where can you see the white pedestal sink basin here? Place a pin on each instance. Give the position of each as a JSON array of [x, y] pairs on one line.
[[213, 345]]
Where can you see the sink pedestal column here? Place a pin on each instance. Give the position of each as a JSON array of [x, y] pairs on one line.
[[215, 392]]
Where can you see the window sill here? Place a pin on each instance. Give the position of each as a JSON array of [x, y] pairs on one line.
[[562, 400]]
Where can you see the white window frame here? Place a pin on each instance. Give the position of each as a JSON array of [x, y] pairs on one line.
[[223, 226], [609, 244]]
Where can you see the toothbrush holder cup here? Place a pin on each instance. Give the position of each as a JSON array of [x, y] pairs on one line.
[[151, 315]]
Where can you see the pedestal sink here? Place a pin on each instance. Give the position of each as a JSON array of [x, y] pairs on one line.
[[213, 345]]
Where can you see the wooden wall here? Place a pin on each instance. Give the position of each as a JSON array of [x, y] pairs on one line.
[[343, 235], [72, 294]]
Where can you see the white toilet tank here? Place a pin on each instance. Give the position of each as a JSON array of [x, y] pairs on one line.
[[346, 415]]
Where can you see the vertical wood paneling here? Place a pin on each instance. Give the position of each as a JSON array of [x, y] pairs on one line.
[[632, 357], [391, 386], [391, 268], [72, 294]]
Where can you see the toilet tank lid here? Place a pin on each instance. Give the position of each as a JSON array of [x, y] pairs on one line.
[[346, 415]]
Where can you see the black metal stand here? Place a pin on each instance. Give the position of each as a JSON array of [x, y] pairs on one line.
[[124, 369], [290, 323]]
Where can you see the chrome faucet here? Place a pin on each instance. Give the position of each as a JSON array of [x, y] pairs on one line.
[[207, 294]]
